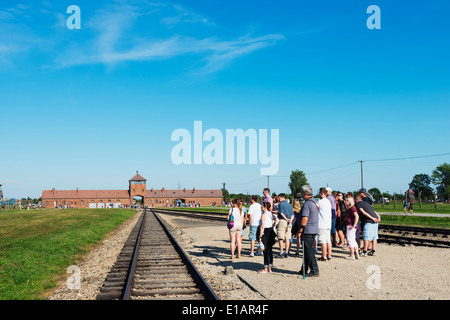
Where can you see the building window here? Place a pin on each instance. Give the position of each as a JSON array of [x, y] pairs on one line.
[[82, 201], [46, 203], [134, 190], [142, 190], [149, 201]]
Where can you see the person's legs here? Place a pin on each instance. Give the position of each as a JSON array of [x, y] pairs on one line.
[[341, 237], [270, 257], [310, 259], [333, 231], [267, 253], [374, 238], [367, 236], [329, 246], [288, 236], [252, 238], [324, 250], [280, 242], [281, 234], [238, 243], [232, 243], [366, 246]]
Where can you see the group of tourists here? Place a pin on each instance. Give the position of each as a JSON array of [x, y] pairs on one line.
[[335, 220]]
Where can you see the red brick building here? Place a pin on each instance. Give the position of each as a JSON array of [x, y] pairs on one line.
[[137, 187]]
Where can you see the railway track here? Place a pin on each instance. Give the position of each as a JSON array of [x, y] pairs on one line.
[[391, 234], [417, 236], [152, 265]]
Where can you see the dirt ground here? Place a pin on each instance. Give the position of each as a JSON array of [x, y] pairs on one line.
[[395, 273]]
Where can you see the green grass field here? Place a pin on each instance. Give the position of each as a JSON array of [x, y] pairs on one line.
[[431, 222], [426, 208], [37, 246]]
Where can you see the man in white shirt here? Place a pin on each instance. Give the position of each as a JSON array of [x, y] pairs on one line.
[[324, 238], [254, 213]]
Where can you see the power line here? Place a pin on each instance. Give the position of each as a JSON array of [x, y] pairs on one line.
[[240, 184], [347, 165], [340, 167], [408, 158]]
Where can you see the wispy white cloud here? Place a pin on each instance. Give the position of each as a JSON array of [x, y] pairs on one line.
[[126, 31], [113, 42], [184, 15]]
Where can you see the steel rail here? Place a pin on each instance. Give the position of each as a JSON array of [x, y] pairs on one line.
[[207, 291], [130, 277]]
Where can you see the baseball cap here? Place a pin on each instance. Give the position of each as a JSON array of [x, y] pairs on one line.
[[328, 189], [362, 190]]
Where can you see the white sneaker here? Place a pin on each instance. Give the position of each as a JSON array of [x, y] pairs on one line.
[[350, 257], [252, 255]]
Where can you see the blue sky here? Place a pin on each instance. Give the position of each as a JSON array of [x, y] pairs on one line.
[[87, 108]]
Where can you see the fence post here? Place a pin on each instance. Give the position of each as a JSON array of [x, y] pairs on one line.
[[420, 199], [394, 200]]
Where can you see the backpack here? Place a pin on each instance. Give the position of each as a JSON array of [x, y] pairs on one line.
[[230, 223]]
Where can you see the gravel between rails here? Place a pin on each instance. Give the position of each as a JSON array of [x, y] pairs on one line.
[[406, 272]]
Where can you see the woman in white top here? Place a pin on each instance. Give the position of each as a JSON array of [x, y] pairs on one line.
[[235, 232], [266, 230]]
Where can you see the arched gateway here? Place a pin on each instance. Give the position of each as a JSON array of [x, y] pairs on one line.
[[137, 187]]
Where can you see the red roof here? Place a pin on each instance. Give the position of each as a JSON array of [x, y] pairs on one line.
[[123, 194], [85, 194], [138, 177], [184, 193]]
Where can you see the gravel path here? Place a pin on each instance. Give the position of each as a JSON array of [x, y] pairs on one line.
[[404, 272]]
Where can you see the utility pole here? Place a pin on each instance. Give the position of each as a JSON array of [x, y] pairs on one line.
[[268, 182], [362, 184]]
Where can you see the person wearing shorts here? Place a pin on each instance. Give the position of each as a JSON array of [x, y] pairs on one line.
[[325, 221], [370, 229], [254, 213], [285, 215], [351, 223], [235, 231]]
